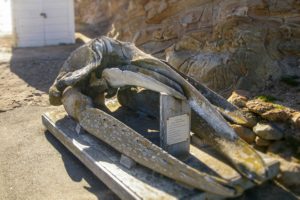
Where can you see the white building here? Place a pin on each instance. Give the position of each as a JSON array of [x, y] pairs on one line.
[[5, 17], [43, 22]]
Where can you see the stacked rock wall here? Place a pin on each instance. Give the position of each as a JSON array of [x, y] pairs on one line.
[[227, 45]]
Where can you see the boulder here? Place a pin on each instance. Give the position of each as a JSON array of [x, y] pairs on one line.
[[295, 119], [259, 107], [262, 142], [267, 131], [276, 114], [245, 133], [239, 98], [289, 173], [277, 147], [251, 118], [227, 45], [281, 148], [269, 111]]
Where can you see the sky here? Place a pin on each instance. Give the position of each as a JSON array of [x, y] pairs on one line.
[[5, 17]]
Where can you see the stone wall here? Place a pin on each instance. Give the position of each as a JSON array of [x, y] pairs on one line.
[[227, 45]]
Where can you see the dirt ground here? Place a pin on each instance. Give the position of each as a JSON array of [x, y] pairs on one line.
[[33, 164]]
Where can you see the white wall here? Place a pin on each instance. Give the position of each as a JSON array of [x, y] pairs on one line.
[[5, 17]]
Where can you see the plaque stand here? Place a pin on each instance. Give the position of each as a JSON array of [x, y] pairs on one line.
[[175, 126]]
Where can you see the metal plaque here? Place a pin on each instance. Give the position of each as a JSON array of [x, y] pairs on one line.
[[178, 129]]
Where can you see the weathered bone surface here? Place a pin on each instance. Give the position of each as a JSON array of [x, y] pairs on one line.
[[115, 64], [135, 146]]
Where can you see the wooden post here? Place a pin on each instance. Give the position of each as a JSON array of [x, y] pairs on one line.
[[175, 125]]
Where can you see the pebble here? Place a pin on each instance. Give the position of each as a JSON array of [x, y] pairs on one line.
[[267, 131], [245, 133], [262, 142], [296, 119], [289, 173], [239, 98]]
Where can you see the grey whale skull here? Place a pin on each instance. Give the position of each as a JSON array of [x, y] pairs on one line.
[[107, 64]]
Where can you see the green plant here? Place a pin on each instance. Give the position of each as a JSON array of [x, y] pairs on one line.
[[279, 106], [266, 98]]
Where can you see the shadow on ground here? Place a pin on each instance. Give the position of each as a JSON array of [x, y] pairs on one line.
[[77, 171], [268, 191], [39, 66]]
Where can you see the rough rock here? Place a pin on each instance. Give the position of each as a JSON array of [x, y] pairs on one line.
[[281, 148], [269, 111], [289, 173], [227, 45], [95, 17], [245, 133], [267, 131], [251, 118], [262, 142], [277, 147], [239, 98], [259, 107], [276, 114], [296, 119]]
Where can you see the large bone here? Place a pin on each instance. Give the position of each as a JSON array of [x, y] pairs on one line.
[[119, 78], [135, 146], [221, 130], [242, 157], [109, 53], [155, 75], [228, 110], [237, 151]]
